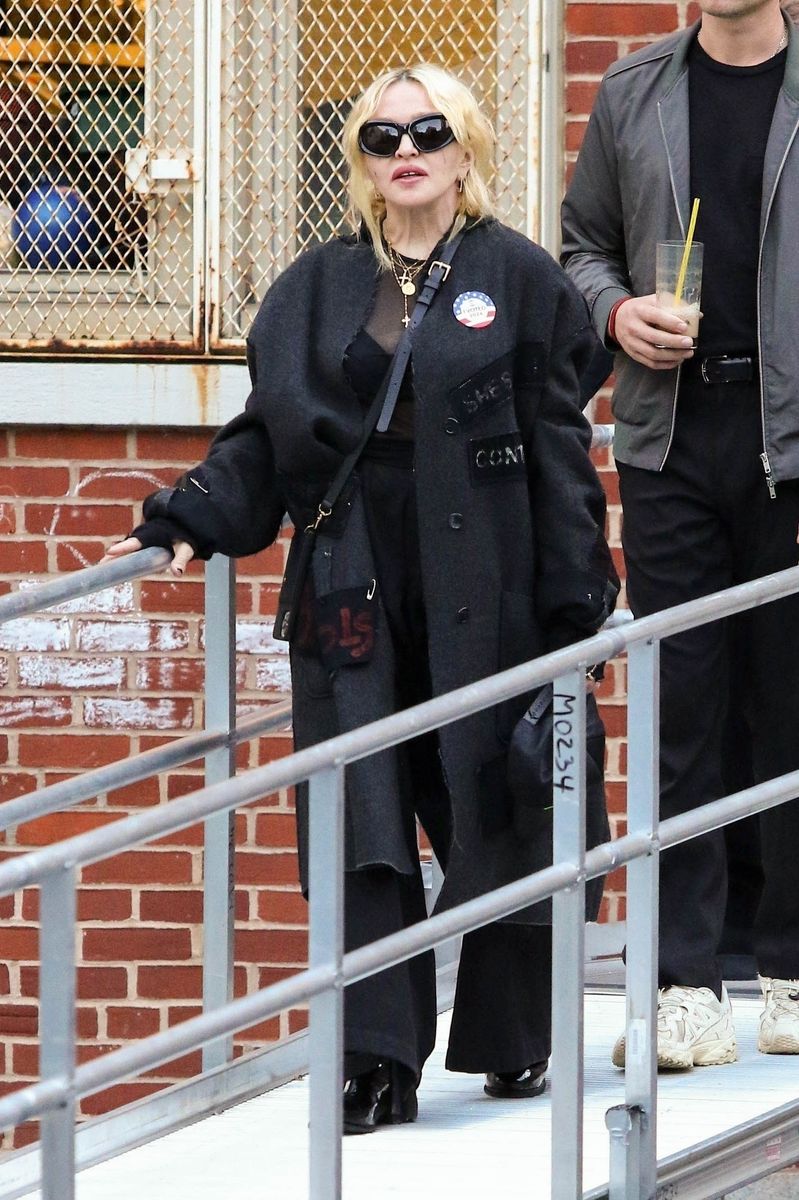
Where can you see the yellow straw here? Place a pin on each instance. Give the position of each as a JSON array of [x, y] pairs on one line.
[[686, 252]]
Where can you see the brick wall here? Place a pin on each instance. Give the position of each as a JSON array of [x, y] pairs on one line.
[[110, 676], [99, 680]]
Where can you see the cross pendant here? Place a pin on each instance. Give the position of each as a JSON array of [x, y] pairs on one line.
[[406, 320]]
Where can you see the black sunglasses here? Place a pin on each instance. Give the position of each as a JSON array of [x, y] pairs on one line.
[[382, 138]]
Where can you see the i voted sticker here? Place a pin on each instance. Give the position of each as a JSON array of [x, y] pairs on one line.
[[475, 310]]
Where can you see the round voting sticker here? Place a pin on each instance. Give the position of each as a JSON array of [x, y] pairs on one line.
[[475, 310]]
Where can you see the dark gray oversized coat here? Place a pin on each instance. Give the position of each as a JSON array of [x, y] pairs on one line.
[[511, 512]]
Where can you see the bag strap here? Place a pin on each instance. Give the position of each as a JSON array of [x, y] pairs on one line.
[[382, 408]]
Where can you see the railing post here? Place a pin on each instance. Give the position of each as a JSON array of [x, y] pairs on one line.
[[219, 856], [633, 1158], [326, 948], [568, 936], [57, 1029]]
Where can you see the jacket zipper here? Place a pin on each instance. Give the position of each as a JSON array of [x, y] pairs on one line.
[[772, 490], [682, 231]]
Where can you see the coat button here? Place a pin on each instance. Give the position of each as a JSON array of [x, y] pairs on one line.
[[451, 425], [455, 520], [462, 614]]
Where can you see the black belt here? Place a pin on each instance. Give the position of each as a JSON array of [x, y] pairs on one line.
[[722, 368]]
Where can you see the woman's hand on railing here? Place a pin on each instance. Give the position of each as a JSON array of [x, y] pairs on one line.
[[183, 553]]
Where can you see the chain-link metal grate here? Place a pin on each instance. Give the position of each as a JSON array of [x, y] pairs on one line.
[[293, 74], [92, 249], [162, 160]]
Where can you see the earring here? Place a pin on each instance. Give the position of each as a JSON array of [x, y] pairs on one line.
[[460, 184]]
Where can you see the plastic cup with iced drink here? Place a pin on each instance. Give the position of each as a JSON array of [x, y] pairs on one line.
[[667, 276]]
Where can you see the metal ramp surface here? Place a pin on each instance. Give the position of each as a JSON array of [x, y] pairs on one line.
[[464, 1144]]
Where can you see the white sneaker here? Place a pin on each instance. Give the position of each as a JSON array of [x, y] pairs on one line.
[[779, 1021], [694, 1030]]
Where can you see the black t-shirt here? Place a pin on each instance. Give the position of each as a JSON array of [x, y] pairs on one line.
[[730, 116]]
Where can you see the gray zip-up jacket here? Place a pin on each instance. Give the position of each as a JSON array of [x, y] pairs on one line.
[[631, 189]]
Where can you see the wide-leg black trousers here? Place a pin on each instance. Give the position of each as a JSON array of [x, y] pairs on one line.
[[704, 522], [501, 1018]]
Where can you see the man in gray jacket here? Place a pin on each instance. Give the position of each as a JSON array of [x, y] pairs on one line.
[[707, 448]]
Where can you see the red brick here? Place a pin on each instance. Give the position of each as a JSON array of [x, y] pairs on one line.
[[590, 58], [170, 905], [17, 943], [276, 829], [616, 796], [267, 599], [177, 1014], [183, 1067], [8, 519], [56, 826], [170, 674], [172, 595], [575, 132], [19, 1020], [121, 483], [68, 445], [7, 906], [614, 717], [26, 1135], [102, 983], [135, 795], [282, 908], [22, 557], [133, 1022], [580, 97], [142, 867], [170, 983], [134, 945], [271, 945], [264, 1031], [34, 481], [275, 746], [182, 785], [5, 983], [298, 1019], [116, 1096], [131, 635], [61, 520], [271, 561], [270, 975], [624, 20], [71, 750], [72, 555], [266, 869], [186, 447], [25, 1058], [193, 836], [16, 783]]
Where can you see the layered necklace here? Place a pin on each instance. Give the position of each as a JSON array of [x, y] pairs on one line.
[[406, 273]]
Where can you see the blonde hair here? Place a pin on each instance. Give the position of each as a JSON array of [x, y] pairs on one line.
[[473, 131]]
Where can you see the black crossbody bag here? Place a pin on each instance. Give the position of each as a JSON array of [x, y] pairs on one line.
[[377, 418]]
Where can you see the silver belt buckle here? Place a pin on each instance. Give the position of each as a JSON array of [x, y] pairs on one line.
[[703, 366]]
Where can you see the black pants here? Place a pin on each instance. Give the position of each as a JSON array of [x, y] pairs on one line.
[[703, 523], [501, 1016]]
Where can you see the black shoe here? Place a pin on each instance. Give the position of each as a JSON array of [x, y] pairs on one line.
[[517, 1085], [385, 1095]]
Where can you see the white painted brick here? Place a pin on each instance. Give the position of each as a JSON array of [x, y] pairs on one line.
[[24, 710], [118, 599], [135, 713], [273, 675], [39, 671], [131, 635], [34, 633]]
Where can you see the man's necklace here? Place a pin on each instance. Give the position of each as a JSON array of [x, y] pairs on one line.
[[405, 274], [783, 39]]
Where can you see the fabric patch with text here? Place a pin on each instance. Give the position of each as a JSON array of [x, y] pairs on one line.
[[498, 458]]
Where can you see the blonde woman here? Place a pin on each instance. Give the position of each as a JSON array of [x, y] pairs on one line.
[[469, 539]]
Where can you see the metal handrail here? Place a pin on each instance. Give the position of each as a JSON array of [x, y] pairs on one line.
[[54, 868]]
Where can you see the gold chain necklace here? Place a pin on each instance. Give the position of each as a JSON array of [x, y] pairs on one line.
[[405, 276]]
